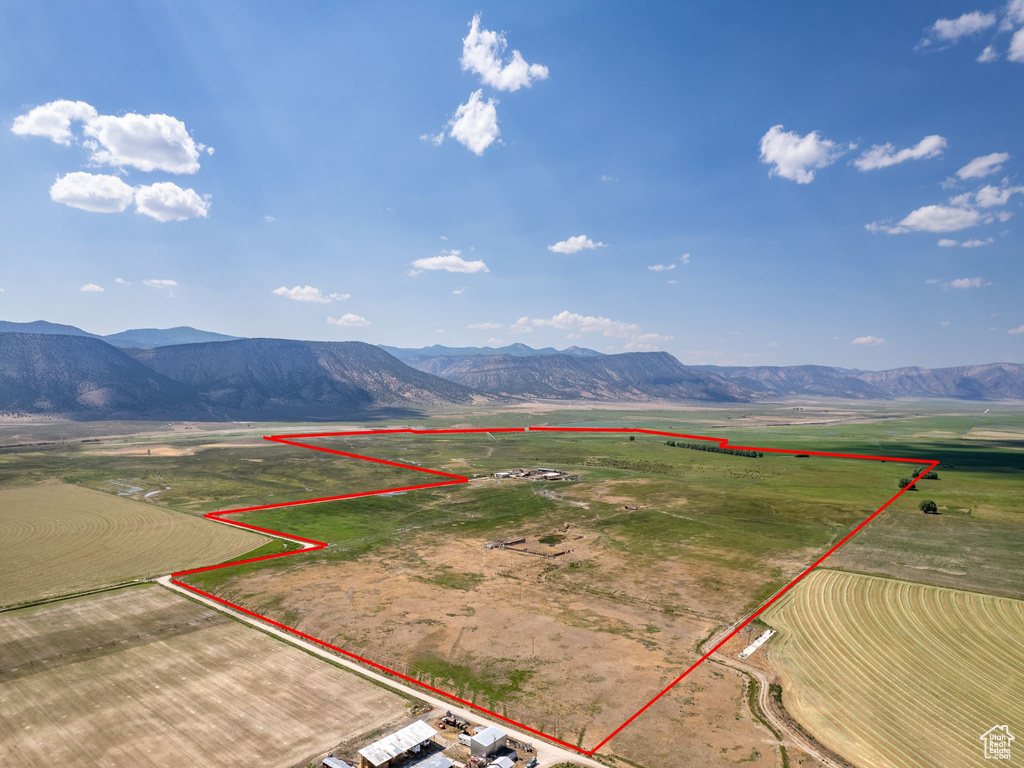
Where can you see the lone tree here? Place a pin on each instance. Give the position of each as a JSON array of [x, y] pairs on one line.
[[929, 507], [632, 438], [904, 482]]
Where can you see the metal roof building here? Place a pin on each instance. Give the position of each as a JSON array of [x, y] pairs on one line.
[[487, 742], [409, 739], [434, 761]]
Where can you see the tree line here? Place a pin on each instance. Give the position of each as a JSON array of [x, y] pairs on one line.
[[711, 448]]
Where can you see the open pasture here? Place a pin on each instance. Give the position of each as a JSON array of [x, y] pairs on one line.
[[889, 673], [58, 539], [142, 676], [663, 546]]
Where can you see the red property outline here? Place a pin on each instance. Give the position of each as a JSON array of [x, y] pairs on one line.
[[313, 545]]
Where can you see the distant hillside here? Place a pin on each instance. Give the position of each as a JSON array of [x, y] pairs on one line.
[[137, 337], [516, 350], [280, 378], [83, 377], [793, 380], [164, 337], [628, 377], [42, 326], [994, 381]]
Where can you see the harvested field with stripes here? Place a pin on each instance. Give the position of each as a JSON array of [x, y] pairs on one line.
[[57, 539], [145, 677], [890, 673]]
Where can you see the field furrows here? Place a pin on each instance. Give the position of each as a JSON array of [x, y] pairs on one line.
[[890, 673]]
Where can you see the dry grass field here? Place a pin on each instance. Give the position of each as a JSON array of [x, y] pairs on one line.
[[142, 676], [890, 673], [57, 539]]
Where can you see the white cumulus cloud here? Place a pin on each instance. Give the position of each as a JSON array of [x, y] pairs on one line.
[[795, 157], [983, 166], [872, 341], [884, 155], [449, 261], [661, 267], [988, 55], [160, 284], [94, 192], [166, 201], [1016, 51], [147, 142], [931, 218], [349, 320], [484, 326], [952, 30], [575, 245], [646, 342], [53, 120], [474, 124], [91, 288], [482, 54], [1016, 331], [308, 293], [969, 282], [576, 323], [991, 196]]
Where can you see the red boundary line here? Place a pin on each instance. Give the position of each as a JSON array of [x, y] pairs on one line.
[[451, 479]]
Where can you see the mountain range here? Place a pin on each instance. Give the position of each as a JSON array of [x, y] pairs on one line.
[[185, 373], [137, 337]]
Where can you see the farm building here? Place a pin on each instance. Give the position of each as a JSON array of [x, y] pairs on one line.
[[410, 740], [434, 761], [487, 742], [502, 762], [334, 762]]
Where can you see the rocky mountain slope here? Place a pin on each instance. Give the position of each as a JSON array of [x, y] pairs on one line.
[[629, 377], [84, 377], [298, 379]]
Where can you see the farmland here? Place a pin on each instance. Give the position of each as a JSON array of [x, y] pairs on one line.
[[667, 544], [407, 580], [57, 539], [142, 676], [891, 673]]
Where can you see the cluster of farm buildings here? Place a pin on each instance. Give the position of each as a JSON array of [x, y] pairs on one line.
[[538, 473], [420, 745]]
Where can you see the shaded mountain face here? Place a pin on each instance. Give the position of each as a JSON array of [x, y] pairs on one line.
[[516, 350], [629, 377], [83, 377], [298, 379], [796, 380], [164, 337], [994, 381]]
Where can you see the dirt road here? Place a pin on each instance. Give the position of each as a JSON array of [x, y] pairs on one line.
[[547, 754]]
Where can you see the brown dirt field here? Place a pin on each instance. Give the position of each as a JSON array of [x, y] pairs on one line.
[[163, 449], [56, 539], [146, 677], [595, 648]]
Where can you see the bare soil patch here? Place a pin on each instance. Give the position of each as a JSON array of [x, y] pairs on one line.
[[146, 677]]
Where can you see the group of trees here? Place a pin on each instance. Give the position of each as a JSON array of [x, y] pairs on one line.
[[711, 448]]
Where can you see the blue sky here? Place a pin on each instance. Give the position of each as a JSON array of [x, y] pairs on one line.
[[649, 134]]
